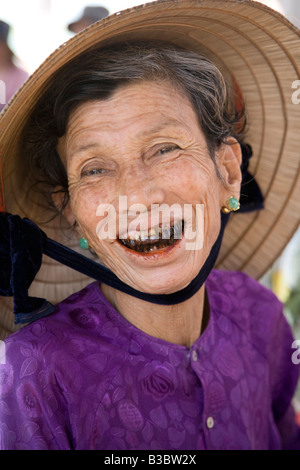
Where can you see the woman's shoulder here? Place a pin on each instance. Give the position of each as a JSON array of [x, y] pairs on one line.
[[80, 343], [82, 314], [241, 290], [251, 307]]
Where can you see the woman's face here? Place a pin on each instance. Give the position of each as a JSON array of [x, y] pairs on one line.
[[144, 146]]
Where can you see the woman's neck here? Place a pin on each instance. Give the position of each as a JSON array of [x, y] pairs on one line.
[[178, 324]]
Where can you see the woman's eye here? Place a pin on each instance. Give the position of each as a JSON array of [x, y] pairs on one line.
[[167, 148], [92, 172]]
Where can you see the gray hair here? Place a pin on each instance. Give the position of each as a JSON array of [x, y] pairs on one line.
[[97, 73]]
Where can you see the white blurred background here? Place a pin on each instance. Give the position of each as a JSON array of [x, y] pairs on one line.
[[40, 26]]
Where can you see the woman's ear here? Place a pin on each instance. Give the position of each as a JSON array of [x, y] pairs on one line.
[[58, 198], [229, 160]]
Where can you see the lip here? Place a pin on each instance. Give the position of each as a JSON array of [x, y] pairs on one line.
[[159, 255]]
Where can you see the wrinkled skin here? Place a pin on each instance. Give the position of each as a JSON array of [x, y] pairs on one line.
[[144, 142]]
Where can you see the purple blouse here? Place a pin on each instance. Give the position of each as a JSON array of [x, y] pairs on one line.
[[85, 378]]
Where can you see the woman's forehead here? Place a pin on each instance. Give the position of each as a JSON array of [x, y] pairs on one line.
[[137, 111], [148, 107]]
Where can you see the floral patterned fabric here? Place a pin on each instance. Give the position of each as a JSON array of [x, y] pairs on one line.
[[85, 378]]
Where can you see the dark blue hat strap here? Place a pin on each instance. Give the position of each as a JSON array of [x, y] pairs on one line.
[[100, 273]]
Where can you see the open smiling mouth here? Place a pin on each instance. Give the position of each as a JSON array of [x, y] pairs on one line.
[[154, 239]]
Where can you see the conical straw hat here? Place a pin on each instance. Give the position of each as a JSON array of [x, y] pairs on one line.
[[246, 39]]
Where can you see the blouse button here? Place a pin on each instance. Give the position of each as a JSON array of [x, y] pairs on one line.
[[194, 355], [210, 422]]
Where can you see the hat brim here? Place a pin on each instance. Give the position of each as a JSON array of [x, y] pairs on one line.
[[255, 44]]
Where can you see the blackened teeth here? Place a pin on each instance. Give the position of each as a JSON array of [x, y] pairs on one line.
[[153, 245]]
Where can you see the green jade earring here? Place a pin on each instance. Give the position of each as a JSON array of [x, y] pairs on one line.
[[232, 204], [83, 243]]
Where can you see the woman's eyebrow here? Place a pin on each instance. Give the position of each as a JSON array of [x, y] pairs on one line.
[[83, 148], [167, 124]]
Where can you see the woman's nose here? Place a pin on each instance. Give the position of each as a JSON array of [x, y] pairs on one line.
[[140, 186]]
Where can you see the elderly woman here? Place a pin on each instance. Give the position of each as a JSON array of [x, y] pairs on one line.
[[139, 146]]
